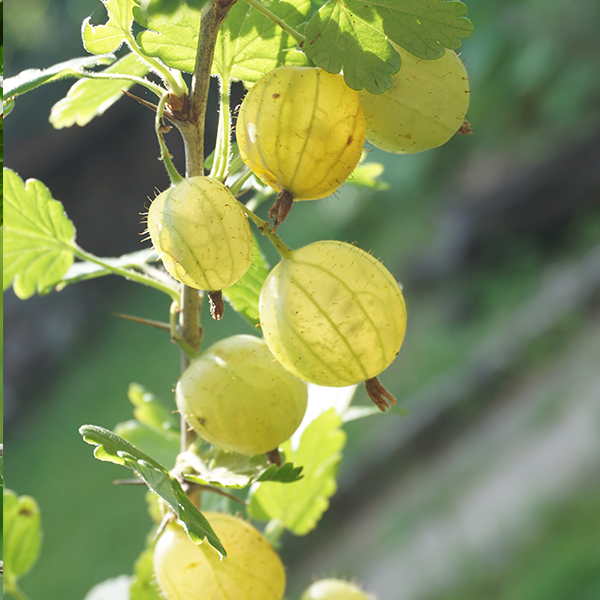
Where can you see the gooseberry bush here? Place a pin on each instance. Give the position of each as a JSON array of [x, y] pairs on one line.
[[325, 81]]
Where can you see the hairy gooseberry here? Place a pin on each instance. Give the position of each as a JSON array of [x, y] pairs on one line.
[[252, 570], [332, 314], [201, 234], [423, 109], [333, 589], [301, 130], [239, 398]]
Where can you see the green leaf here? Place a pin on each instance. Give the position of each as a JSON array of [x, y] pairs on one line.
[[143, 584], [162, 448], [298, 506], [250, 45], [39, 238], [172, 38], [101, 39], [352, 36], [22, 534], [92, 97], [243, 296], [112, 448], [151, 411], [221, 468], [32, 78], [366, 174]]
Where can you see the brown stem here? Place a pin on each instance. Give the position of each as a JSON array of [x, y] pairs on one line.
[[380, 396]]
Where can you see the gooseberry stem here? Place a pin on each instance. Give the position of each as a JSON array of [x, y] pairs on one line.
[[159, 126], [300, 39], [223, 143], [265, 228]]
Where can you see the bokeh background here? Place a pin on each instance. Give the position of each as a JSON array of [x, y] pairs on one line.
[[491, 487]]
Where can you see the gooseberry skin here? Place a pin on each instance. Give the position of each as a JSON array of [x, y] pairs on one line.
[[301, 130], [239, 398], [424, 108], [252, 570], [332, 314], [201, 234], [333, 589]]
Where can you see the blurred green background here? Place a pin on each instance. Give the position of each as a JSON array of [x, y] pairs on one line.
[[490, 488]]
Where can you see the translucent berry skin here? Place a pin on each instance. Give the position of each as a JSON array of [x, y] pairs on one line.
[[302, 130], [333, 589], [239, 398], [424, 108], [252, 570], [201, 234], [332, 314]]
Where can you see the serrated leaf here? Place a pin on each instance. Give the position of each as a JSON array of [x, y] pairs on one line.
[[299, 506], [39, 238], [248, 45], [172, 38], [163, 448], [92, 97], [143, 583], [351, 36], [243, 296], [221, 468], [112, 448], [22, 534], [31, 79], [101, 39]]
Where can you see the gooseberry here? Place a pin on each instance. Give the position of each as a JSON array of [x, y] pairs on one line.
[[301, 130], [423, 109], [201, 234], [252, 570], [239, 398], [332, 314], [333, 589]]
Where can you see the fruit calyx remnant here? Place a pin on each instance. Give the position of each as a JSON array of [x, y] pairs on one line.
[[217, 308], [280, 209], [380, 396]]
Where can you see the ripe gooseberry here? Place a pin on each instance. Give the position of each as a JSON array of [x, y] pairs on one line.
[[424, 108], [301, 130], [201, 234], [333, 589], [252, 570], [239, 398], [333, 315]]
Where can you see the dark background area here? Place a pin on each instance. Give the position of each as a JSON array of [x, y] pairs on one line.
[[489, 489]]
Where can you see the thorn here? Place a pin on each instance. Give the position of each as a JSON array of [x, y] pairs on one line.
[[143, 102], [150, 322]]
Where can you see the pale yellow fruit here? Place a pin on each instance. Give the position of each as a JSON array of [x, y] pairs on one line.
[[239, 398], [201, 234], [424, 108], [333, 589], [332, 314], [302, 130], [252, 570]]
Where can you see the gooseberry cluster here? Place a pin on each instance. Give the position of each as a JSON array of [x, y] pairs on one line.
[[331, 314]]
